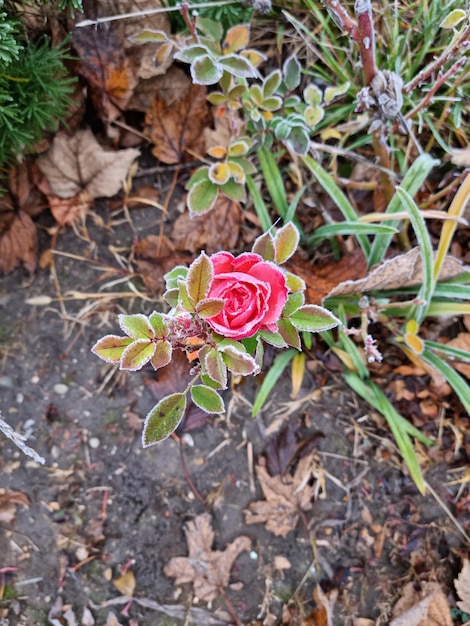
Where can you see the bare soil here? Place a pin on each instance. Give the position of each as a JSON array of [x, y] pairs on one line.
[[101, 502]]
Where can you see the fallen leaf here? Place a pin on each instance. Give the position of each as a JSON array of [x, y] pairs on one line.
[[280, 448], [208, 570], [125, 584], [462, 341], [286, 496], [461, 157], [462, 586], [426, 607], [175, 128], [78, 164], [9, 501], [18, 238], [105, 67], [323, 614], [219, 232], [321, 278], [154, 257], [402, 271]]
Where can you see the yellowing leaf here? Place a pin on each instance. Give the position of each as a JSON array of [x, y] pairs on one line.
[[217, 152], [237, 38], [453, 19], [219, 173], [125, 584]]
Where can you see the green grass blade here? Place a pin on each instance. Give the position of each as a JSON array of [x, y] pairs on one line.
[[400, 427], [259, 204], [458, 384], [411, 183], [449, 351], [273, 177], [279, 365], [292, 208], [329, 185], [427, 257], [349, 228]]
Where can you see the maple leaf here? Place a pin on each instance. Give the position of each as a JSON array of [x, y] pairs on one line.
[[208, 570], [286, 496], [79, 164], [176, 127]]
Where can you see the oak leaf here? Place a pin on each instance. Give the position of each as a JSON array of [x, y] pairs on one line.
[[79, 164], [177, 127], [208, 570], [286, 496]]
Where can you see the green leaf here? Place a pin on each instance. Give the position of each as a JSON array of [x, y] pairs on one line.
[[202, 173], [234, 190], [294, 301], [136, 326], [453, 19], [238, 362], [210, 307], [184, 298], [199, 278], [171, 278], [210, 28], [312, 95], [213, 364], [204, 71], [274, 103], [207, 399], [458, 384], [137, 354], [163, 419], [264, 246], [313, 115], [333, 92], [172, 297], [259, 204], [273, 375], [298, 141], [162, 356], [289, 334], [271, 83], [149, 36], [274, 339], [238, 66], [111, 347], [291, 71], [191, 53], [294, 282], [159, 325], [286, 241], [313, 318], [201, 197]]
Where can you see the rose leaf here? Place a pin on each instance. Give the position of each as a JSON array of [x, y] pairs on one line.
[[137, 354], [199, 278], [207, 399], [136, 326], [313, 318], [286, 241], [163, 419], [111, 347]]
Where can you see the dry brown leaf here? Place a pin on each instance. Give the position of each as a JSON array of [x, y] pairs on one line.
[[321, 278], [461, 157], [18, 238], [285, 495], [79, 164], [174, 128], [208, 570], [323, 614], [125, 584], [9, 501], [154, 258], [172, 86], [462, 341], [219, 232], [427, 607], [104, 65], [402, 271], [462, 586]]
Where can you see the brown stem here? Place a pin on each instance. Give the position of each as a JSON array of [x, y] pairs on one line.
[[344, 20], [436, 65], [366, 38], [190, 23], [230, 607]]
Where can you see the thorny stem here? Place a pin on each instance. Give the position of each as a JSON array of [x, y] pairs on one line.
[[436, 65]]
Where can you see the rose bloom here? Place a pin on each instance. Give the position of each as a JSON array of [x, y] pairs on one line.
[[254, 292]]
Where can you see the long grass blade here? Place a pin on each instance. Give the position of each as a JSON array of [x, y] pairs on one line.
[[259, 204], [273, 177], [279, 365], [458, 384]]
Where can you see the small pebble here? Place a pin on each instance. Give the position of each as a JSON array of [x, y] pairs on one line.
[[6, 381], [35, 379], [61, 389], [20, 398], [94, 442]]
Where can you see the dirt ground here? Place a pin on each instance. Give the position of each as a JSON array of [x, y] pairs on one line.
[[101, 505]]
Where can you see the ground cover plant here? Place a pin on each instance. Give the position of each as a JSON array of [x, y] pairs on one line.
[[322, 191]]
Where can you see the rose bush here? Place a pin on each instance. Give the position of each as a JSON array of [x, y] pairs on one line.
[[254, 292]]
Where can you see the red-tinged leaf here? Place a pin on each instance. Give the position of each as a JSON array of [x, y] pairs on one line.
[[162, 356], [136, 326], [274, 339], [215, 367], [210, 307], [289, 333], [286, 241], [294, 282], [199, 278], [137, 354], [313, 318], [184, 297], [207, 399], [111, 347], [294, 302], [264, 246], [159, 325], [238, 362], [163, 419]]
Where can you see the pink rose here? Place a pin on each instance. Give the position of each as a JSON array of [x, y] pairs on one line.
[[254, 291]]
